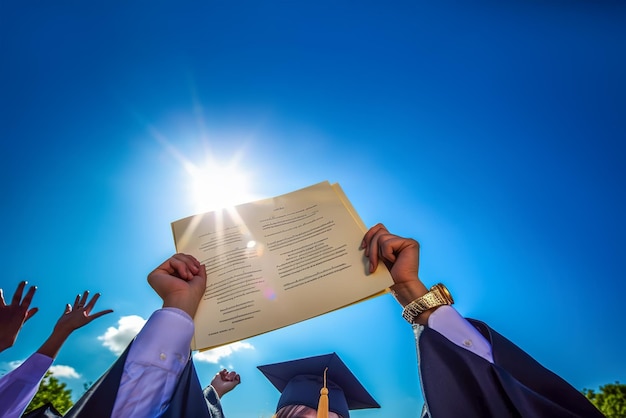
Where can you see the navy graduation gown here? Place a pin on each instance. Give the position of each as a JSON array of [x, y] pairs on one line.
[[458, 383], [188, 400]]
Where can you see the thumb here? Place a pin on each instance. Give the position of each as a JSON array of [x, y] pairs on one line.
[[199, 281]]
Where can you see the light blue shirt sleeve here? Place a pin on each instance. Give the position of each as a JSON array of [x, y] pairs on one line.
[[449, 323], [19, 386], [155, 361]]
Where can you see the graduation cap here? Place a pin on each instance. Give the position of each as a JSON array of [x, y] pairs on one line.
[[322, 382]]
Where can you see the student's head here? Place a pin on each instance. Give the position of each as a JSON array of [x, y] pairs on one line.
[[302, 381]]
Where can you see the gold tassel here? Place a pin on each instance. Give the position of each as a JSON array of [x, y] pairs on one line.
[[322, 407]]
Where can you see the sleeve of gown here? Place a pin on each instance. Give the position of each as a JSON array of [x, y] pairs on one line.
[[155, 361], [457, 383], [213, 402], [18, 387], [449, 323]]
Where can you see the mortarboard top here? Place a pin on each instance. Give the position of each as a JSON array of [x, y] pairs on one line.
[[300, 381]]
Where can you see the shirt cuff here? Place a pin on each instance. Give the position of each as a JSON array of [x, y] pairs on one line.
[[212, 389], [449, 323], [165, 340]]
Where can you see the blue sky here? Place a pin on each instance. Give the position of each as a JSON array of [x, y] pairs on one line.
[[492, 132]]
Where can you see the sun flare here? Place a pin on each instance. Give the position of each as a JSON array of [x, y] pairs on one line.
[[213, 181], [214, 185]]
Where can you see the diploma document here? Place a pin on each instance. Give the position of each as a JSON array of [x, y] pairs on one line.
[[274, 262]]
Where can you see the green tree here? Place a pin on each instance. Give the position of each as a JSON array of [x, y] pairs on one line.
[[53, 391], [610, 399]]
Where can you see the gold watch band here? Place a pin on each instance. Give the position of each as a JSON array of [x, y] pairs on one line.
[[437, 296]]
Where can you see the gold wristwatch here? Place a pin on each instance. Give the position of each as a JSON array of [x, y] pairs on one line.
[[437, 296]]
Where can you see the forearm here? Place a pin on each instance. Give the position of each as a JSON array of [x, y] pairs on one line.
[[55, 341]]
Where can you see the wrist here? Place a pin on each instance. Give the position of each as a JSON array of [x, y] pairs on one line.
[[419, 310], [422, 319], [218, 392], [407, 292], [53, 344], [182, 303], [61, 332]]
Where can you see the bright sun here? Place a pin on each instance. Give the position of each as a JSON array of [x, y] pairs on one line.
[[214, 185]]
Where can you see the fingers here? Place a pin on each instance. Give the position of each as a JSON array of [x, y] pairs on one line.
[[83, 299], [181, 265], [29, 296], [76, 302], [235, 377], [380, 245], [89, 306], [227, 376], [31, 313], [202, 271], [199, 281], [370, 244], [99, 314], [17, 296], [369, 235], [80, 302], [185, 265]]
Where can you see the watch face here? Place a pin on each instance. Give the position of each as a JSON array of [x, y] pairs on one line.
[[445, 293], [448, 295]]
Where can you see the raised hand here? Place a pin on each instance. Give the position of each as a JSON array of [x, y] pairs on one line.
[[14, 315], [180, 281], [225, 381], [74, 316], [79, 314], [400, 255]]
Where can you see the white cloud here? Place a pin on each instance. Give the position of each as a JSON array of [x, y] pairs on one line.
[[214, 355], [117, 339], [64, 371]]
